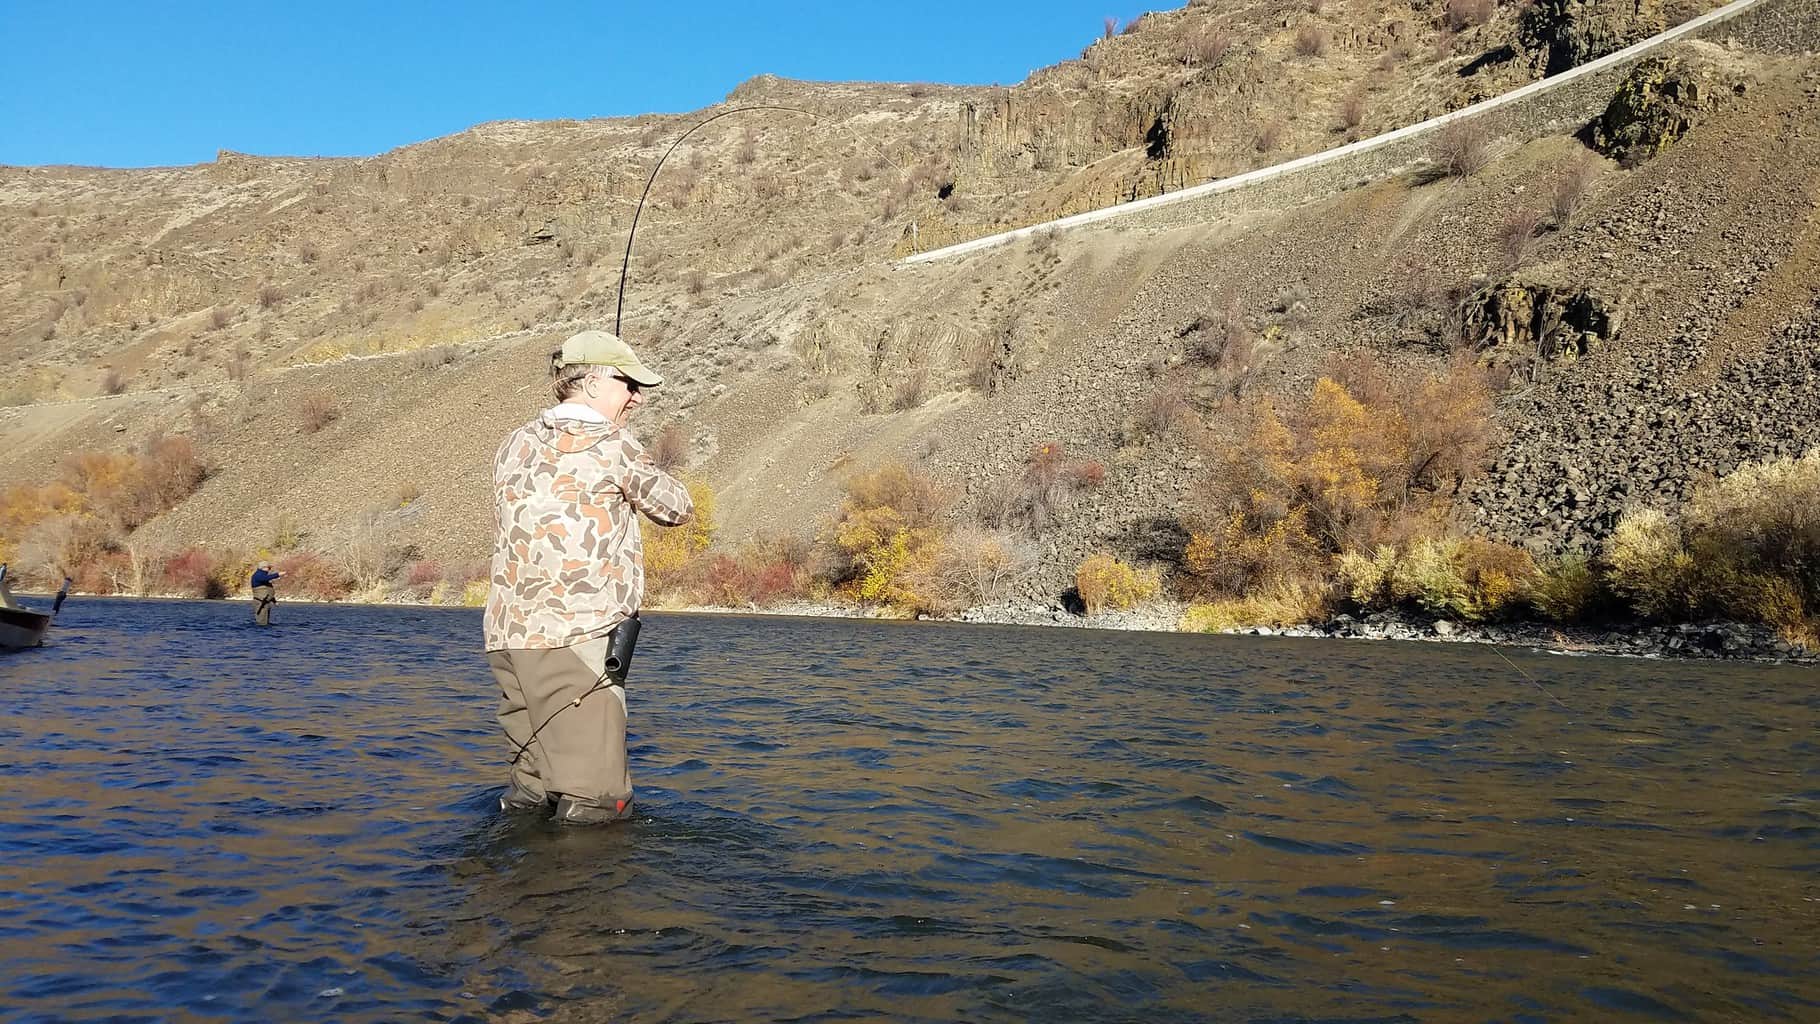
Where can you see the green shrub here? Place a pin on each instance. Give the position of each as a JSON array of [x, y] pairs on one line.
[[1746, 546], [1648, 564], [1764, 519], [1287, 605], [1367, 579], [1471, 579], [1569, 590]]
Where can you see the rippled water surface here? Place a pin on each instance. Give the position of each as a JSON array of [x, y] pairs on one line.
[[839, 820]]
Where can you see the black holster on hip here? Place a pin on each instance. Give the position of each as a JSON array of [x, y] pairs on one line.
[[621, 643]]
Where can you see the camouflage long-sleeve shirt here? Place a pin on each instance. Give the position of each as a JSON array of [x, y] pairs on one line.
[[568, 564]]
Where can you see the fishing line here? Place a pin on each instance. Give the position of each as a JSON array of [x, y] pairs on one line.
[[524, 748], [1526, 675], [626, 263], [632, 233]]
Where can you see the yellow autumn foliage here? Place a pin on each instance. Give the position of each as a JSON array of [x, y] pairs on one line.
[[1746, 546], [1288, 605], [672, 552], [1471, 579], [1105, 582], [888, 535]]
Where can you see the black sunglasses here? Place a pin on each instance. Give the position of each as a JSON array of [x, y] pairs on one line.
[[632, 386]]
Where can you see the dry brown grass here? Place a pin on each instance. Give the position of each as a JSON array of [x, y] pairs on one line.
[[1218, 339], [1206, 47], [1312, 41], [1462, 148], [670, 449], [911, 390], [317, 410], [1444, 43], [1269, 137], [1573, 179], [1165, 414], [1464, 14], [857, 169], [435, 357], [1517, 235], [1052, 478], [1352, 110]]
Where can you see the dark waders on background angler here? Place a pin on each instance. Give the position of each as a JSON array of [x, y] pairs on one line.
[[264, 597], [578, 694]]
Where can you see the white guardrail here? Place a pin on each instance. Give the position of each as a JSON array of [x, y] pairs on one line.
[[1239, 181]]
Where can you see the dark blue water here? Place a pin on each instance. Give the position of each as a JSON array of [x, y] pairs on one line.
[[843, 820]]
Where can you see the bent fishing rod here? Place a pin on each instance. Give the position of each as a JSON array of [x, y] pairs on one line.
[[632, 233], [624, 637]]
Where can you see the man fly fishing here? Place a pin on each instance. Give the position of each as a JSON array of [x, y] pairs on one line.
[[265, 592], [568, 579]]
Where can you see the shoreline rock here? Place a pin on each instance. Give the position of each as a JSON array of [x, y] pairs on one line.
[[1710, 641], [1715, 641]]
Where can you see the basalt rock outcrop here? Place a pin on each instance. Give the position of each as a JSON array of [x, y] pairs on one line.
[[1558, 35], [1657, 103], [1528, 319]]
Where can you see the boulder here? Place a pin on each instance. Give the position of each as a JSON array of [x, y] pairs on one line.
[[1527, 318], [1657, 103]]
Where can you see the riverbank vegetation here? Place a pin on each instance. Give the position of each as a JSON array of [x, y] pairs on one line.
[[1346, 501]]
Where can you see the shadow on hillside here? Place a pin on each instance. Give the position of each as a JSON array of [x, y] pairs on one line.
[[1489, 59], [1153, 539]]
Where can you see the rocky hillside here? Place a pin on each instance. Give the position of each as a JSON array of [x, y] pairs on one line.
[[347, 339]]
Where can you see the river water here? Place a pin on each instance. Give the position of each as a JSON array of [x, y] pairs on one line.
[[845, 820]]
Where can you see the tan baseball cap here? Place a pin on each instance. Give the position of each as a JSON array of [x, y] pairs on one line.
[[604, 348]]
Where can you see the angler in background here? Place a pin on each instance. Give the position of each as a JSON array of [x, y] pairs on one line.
[[568, 579], [63, 594], [265, 595]]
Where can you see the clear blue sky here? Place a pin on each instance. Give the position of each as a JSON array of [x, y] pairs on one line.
[[157, 82]]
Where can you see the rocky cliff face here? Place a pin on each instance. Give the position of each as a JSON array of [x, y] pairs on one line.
[[1557, 35]]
